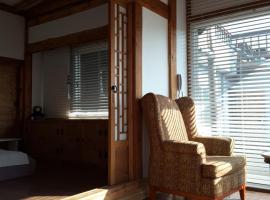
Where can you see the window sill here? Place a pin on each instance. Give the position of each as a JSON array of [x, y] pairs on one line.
[[90, 115], [88, 118]]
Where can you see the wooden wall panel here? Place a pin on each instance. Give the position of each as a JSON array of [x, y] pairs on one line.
[[45, 12], [8, 99], [71, 39], [121, 166]]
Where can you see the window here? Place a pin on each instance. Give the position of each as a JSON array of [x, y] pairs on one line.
[[229, 81], [89, 81]]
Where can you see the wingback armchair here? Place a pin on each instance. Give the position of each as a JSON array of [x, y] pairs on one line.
[[181, 161]]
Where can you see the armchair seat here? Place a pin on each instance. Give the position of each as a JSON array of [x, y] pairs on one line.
[[219, 166]]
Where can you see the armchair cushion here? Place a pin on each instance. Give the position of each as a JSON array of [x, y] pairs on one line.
[[171, 120], [187, 108], [185, 147], [219, 166], [216, 146], [217, 187]]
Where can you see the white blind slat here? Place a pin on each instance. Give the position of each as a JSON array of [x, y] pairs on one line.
[[229, 80], [89, 80]]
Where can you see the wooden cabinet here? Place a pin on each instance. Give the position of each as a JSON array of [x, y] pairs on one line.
[[68, 140], [41, 144]]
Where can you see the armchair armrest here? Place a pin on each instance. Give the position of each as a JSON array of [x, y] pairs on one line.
[[221, 146], [187, 147]]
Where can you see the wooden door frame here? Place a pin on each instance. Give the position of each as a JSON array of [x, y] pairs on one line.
[[169, 12], [116, 147], [137, 92]]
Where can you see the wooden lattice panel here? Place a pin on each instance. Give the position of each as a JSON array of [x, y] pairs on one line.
[[121, 73]]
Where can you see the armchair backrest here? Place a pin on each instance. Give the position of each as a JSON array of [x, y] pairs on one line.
[[187, 108], [164, 119]]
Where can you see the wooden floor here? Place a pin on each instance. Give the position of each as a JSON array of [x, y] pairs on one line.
[[251, 196], [53, 182], [61, 181]]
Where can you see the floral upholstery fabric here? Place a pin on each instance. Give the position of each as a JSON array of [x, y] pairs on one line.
[[179, 158]]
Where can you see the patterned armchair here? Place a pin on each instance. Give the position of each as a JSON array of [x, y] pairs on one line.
[[184, 163]]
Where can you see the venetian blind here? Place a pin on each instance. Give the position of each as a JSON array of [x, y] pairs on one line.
[[198, 7], [229, 80], [89, 81]]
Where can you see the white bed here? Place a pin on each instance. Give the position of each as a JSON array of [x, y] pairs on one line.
[[13, 158], [14, 164]]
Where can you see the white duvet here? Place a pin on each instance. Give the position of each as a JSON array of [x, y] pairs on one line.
[[12, 158]]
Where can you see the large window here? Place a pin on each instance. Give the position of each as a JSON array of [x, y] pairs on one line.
[[89, 81], [230, 83]]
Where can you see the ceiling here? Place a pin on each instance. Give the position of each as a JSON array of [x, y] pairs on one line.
[[18, 6], [11, 2], [33, 8]]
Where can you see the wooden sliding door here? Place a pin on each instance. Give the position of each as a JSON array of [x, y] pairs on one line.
[[120, 12]]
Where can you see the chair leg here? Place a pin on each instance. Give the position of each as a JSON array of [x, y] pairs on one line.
[[242, 193], [152, 193]]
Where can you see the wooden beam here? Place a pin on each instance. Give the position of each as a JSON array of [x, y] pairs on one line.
[[48, 6], [7, 8], [226, 11], [172, 49], [156, 6], [131, 88], [72, 39], [25, 4], [62, 8], [137, 92], [10, 60]]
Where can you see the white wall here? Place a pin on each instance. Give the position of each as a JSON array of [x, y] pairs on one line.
[[155, 64], [155, 71], [11, 35], [37, 80], [89, 19], [50, 89], [182, 44]]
